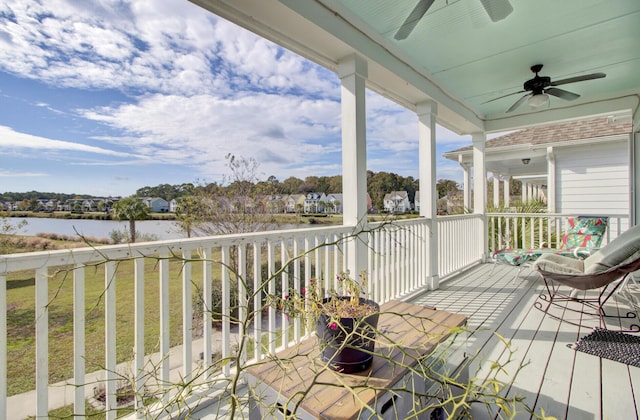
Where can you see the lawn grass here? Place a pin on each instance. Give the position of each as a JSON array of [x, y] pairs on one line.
[[21, 319], [90, 412]]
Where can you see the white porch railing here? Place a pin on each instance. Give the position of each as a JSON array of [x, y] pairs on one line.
[[461, 243], [239, 270], [534, 230]]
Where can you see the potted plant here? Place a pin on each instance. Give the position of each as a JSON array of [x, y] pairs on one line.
[[345, 320]]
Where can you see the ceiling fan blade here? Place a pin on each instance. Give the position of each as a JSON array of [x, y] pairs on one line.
[[503, 96], [518, 102], [412, 20], [561, 93], [578, 79], [497, 9]]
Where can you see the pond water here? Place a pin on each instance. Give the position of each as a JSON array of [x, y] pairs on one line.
[[162, 229]]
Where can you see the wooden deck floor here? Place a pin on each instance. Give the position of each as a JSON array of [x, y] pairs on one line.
[[564, 383]]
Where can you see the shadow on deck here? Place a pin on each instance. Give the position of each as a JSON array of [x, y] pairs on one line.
[[550, 377], [554, 378]]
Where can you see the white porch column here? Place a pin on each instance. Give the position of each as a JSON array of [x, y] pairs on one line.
[[466, 183], [530, 191], [353, 73], [635, 172], [507, 191], [480, 186], [524, 191], [496, 191], [427, 113], [479, 173]]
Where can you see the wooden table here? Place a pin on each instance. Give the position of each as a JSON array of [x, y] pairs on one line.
[[297, 381]]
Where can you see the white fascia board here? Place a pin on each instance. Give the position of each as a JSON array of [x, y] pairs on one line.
[[514, 151], [623, 105]]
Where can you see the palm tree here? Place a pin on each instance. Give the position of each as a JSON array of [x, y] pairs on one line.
[[131, 209]]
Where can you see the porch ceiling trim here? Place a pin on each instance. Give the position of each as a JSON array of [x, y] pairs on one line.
[[459, 59]]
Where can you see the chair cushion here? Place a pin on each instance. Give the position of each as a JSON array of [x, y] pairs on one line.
[[515, 257], [624, 248], [584, 232], [559, 264]]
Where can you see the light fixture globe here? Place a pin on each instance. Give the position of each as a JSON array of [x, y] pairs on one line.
[[538, 100]]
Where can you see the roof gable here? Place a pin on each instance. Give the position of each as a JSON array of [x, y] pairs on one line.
[[587, 129]]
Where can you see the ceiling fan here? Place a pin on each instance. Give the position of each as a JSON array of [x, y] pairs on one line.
[[540, 87], [496, 9]]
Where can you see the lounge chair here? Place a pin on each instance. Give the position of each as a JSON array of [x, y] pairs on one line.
[[606, 269], [583, 235]]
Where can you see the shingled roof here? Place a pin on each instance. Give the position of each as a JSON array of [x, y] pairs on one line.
[[557, 133]]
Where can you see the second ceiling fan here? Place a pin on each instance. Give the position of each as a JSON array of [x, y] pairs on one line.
[[536, 90], [496, 9]]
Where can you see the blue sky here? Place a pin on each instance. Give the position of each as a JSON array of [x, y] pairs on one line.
[[105, 97]]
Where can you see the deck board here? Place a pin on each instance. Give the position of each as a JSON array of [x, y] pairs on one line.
[[555, 390], [616, 391], [584, 401], [562, 382], [556, 379], [634, 376]]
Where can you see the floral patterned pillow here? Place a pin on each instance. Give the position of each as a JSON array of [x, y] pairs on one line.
[[584, 232]]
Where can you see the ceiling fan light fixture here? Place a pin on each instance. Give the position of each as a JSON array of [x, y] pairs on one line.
[[538, 100]]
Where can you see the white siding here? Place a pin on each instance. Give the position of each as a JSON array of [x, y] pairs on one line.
[[593, 179]]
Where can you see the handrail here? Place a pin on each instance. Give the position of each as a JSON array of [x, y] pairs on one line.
[[238, 270]]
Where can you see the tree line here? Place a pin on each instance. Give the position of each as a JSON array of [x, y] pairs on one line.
[[242, 180], [12, 197], [378, 184]]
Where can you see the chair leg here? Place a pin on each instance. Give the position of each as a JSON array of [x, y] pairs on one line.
[[625, 291], [493, 268], [606, 294], [548, 297], [590, 306], [515, 278]]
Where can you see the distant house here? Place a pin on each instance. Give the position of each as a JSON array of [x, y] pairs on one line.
[[294, 203], [453, 203], [397, 202], [334, 203], [314, 202], [274, 204], [416, 201], [156, 204], [74, 205], [51, 205], [173, 205], [89, 205]]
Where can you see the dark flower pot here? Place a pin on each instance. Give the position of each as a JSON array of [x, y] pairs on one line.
[[346, 350]]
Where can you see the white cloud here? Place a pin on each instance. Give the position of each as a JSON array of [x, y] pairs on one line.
[[170, 46], [198, 87], [8, 174], [199, 131], [12, 139]]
